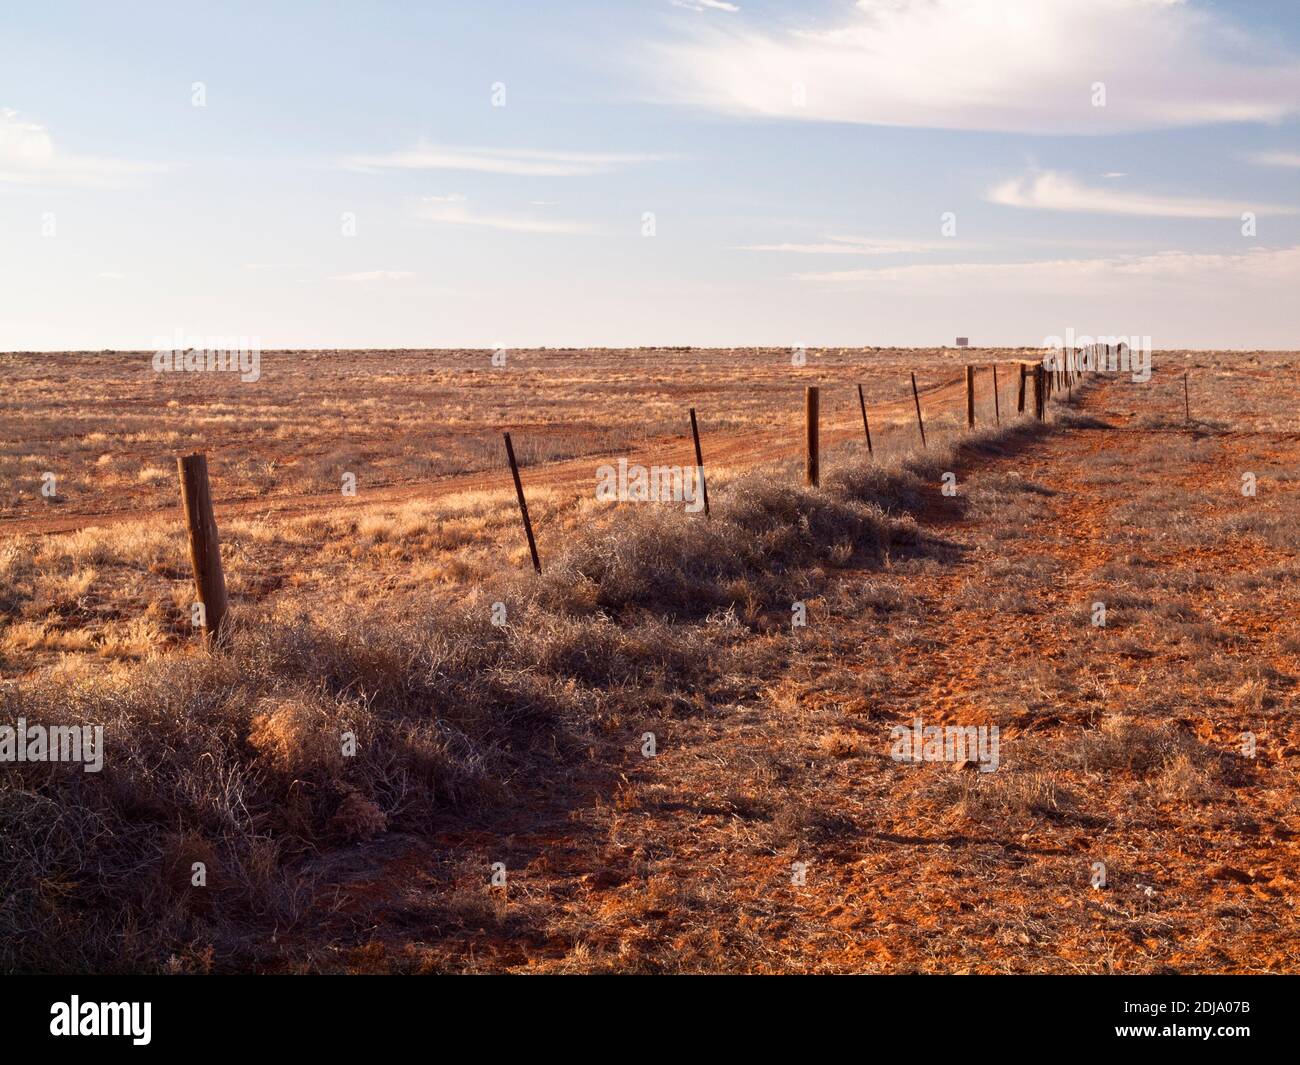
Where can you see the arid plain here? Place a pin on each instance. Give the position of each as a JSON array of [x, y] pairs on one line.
[[499, 811]]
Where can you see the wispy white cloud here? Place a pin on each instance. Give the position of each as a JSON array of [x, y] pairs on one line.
[[28, 156], [1052, 191], [1291, 159], [1010, 65], [833, 245], [1210, 270], [375, 275], [455, 211], [705, 5], [519, 161]]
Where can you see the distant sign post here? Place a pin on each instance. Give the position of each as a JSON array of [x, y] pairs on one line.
[[963, 342]]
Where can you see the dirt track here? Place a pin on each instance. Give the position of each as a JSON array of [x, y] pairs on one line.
[[727, 450]]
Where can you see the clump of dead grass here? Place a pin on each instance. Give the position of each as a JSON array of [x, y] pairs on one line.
[[1010, 795], [1165, 758]]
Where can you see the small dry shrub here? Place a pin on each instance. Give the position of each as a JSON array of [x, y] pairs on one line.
[[1009, 794], [1122, 743], [296, 737]]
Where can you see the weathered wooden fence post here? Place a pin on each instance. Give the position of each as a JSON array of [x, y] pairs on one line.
[[1040, 388], [997, 409], [523, 505], [699, 463], [205, 545], [1187, 400], [812, 470], [970, 396], [917, 399], [1020, 394], [866, 427]]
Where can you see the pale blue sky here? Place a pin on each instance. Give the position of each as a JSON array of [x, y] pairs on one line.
[[798, 159]]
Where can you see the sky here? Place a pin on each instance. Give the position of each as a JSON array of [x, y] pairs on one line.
[[661, 172]]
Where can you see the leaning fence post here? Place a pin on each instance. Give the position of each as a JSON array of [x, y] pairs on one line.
[[523, 505], [970, 396], [205, 545], [917, 398], [1020, 395], [812, 471], [866, 428], [997, 410], [699, 463]]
